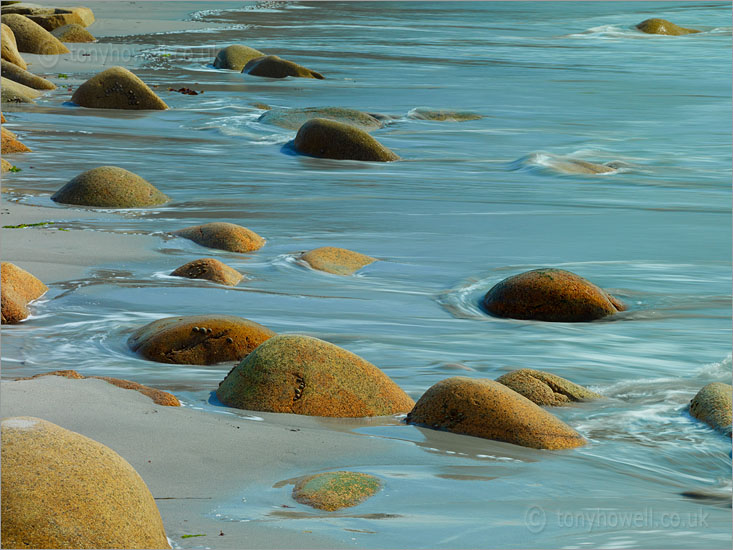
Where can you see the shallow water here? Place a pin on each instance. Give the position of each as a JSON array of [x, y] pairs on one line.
[[470, 204]]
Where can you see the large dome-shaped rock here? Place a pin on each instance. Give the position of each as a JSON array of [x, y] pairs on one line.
[[223, 236], [662, 26], [18, 288], [31, 37], [488, 409], [63, 490], [73, 33], [442, 115], [292, 119], [198, 339], [10, 47], [304, 375], [235, 57], [324, 138], [210, 269], [109, 187], [712, 405], [546, 389], [117, 88], [9, 143], [550, 295], [272, 66], [332, 491], [21, 76], [338, 261], [15, 92]]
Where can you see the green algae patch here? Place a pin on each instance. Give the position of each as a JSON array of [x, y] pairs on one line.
[[24, 225], [332, 491]]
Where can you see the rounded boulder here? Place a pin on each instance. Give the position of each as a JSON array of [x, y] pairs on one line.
[[488, 409], [18, 288], [223, 236], [73, 33], [546, 389], [21, 76], [332, 491], [9, 142], [31, 37], [210, 269], [10, 47], [235, 57], [63, 490], [198, 339], [15, 92], [662, 26], [325, 138], [552, 295], [712, 405], [338, 261], [272, 66], [304, 375], [292, 119], [117, 88], [109, 187]]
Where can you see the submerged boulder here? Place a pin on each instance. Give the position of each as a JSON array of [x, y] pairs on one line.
[[117, 88], [488, 409], [235, 57], [338, 261], [550, 295], [10, 47], [442, 115], [198, 339], [210, 269], [304, 375], [577, 166], [9, 143], [73, 33], [324, 138], [292, 119], [272, 66], [332, 491], [21, 76], [712, 405], [31, 37], [546, 389], [223, 236], [662, 26], [63, 490], [110, 187], [15, 92]]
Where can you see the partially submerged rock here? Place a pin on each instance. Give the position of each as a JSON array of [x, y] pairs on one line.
[[223, 236], [662, 26], [546, 389], [63, 490], [712, 405], [577, 166], [292, 119], [9, 143], [73, 33], [235, 57], [10, 47], [442, 115], [117, 88], [338, 261], [14, 92], [304, 375], [272, 66], [109, 187], [31, 37], [18, 288], [21, 76], [332, 491], [198, 339], [324, 138], [550, 295], [488, 409], [210, 269]]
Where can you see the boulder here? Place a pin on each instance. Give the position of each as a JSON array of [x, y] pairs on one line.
[[5, 165], [712, 405], [198, 339], [14, 307], [73, 33], [332, 491], [303, 375], [10, 143], [272, 66], [338, 261], [292, 119], [210, 269], [31, 37], [109, 187], [63, 490], [117, 88], [21, 76], [14, 92], [550, 295], [662, 26], [546, 389], [84, 16], [18, 288], [488, 409], [223, 236], [324, 138], [577, 166], [53, 21], [2, 118], [10, 47], [235, 57], [442, 115]]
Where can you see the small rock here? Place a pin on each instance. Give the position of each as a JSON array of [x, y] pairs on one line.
[[544, 388], [21, 76], [292, 119], [335, 490], [304, 375], [18, 288], [5, 165], [10, 143], [488, 409], [550, 295], [210, 269], [662, 26], [338, 261], [14, 92], [324, 138], [10, 48], [272, 66], [117, 88], [712, 405], [235, 57], [109, 187], [31, 37], [442, 115], [63, 490], [223, 236], [73, 33], [219, 338]]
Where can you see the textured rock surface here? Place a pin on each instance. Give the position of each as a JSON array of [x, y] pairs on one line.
[[117, 88], [292, 119], [9, 143], [15, 92], [332, 491], [338, 261], [544, 388], [31, 37], [21, 76], [235, 57], [73, 33], [5, 165], [198, 339], [210, 269], [84, 15], [443, 115], [488, 409], [10, 47], [63, 490], [662, 26], [223, 236], [550, 295], [272, 66], [18, 288], [324, 138], [53, 21], [712, 405]]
